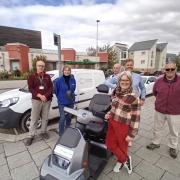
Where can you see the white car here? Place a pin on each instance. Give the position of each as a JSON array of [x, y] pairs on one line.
[[149, 83], [15, 105]]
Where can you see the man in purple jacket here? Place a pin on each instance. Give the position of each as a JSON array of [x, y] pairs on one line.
[[167, 108]]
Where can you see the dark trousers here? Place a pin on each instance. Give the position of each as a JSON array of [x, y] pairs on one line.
[[65, 118]]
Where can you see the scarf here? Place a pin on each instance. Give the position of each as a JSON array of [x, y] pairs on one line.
[[119, 93]]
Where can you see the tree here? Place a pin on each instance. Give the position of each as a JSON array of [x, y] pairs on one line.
[[37, 58], [177, 60], [112, 55], [91, 51]]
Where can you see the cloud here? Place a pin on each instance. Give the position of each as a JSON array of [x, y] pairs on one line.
[[11, 3], [125, 21]]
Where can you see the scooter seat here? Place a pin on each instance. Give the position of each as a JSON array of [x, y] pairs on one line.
[[95, 128]]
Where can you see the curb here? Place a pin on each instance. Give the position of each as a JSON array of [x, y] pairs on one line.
[[20, 137]]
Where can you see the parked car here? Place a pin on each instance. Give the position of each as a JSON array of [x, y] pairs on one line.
[[15, 105], [149, 83], [158, 73]]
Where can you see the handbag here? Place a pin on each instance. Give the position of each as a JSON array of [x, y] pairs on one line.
[[69, 95]]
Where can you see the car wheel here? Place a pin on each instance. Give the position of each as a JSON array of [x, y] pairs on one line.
[[25, 122]]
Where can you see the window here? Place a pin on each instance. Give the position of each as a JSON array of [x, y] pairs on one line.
[[151, 79], [152, 54], [143, 53], [123, 55], [151, 62], [142, 61]]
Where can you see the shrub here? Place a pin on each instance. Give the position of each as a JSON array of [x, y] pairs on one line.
[[4, 75], [17, 73]]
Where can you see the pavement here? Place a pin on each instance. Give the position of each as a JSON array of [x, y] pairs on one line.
[[18, 162], [11, 84]]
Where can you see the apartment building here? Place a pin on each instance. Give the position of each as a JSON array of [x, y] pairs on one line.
[[149, 56], [121, 51]]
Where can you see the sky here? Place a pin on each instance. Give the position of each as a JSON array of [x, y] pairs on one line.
[[121, 21]]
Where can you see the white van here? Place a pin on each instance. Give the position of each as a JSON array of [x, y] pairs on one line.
[[15, 105]]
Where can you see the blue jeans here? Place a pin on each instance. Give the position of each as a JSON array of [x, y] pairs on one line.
[[65, 118]]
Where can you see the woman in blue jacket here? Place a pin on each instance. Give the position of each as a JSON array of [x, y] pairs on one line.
[[64, 90]]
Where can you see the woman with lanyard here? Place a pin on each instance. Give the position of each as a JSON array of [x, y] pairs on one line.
[[64, 90]]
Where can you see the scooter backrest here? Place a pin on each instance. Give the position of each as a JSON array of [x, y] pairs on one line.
[[70, 138], [103, 88], [100, 104]]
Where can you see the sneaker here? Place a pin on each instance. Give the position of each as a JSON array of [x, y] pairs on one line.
[[44, 135], [130, 144], [152, 146], [173, 153], [128, 165], [117, 167], [29, 141]]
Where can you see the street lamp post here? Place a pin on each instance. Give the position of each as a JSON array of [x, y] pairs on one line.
[[57, 42], [97, 38]]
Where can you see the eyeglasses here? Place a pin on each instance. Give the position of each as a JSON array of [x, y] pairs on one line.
[[124, 80], [41, 66], [170, 69]]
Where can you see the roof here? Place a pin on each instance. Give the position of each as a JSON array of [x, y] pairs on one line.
[[161, 46], [143, 45], [120, 46]]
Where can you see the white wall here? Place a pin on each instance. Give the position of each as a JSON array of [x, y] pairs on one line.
[[162, 60], [152, 58], [91, 58], [142, 59], [51, 57], [120, 51], [139, 57], [4, 60]]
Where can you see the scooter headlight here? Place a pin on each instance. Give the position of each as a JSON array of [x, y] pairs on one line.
[[60, 162], [9, 102], [84, 115]]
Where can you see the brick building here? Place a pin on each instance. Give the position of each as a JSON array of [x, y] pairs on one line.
[[18, 51]]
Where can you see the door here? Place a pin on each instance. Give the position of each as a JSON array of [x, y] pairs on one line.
[[15, 65]]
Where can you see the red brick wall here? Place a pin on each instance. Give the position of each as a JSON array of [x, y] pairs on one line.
[[69, 54], [103, 56], [19, 52]]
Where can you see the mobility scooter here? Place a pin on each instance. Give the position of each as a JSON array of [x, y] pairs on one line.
[[80, 153]]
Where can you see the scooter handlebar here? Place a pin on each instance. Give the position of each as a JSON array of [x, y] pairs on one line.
[[71, 111]]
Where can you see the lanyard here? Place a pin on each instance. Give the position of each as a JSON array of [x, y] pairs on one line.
[[41, 80]]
